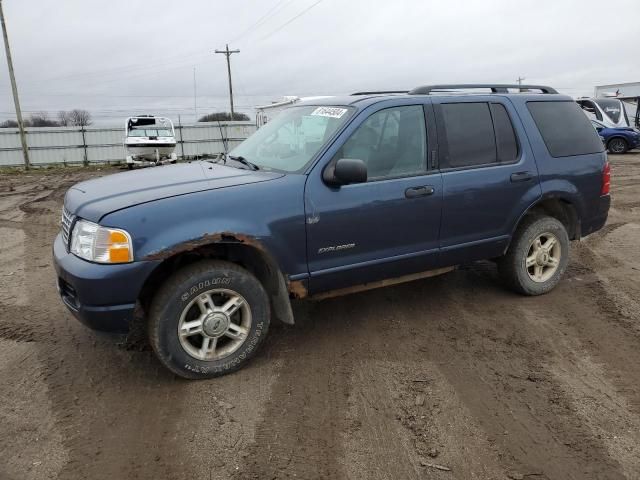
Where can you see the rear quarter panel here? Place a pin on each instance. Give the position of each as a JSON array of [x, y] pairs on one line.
[[576, 179]]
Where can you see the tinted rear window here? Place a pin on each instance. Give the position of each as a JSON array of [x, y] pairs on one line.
[[469, 134], [565, 129]]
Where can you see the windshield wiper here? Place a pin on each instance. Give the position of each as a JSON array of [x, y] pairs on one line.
[[223, 160], [243, 161]]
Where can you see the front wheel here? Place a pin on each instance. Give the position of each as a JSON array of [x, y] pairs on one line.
[[617, 145], [208, 319], [537, 257]]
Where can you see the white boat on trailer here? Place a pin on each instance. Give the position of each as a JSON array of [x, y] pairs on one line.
[[149, 140]]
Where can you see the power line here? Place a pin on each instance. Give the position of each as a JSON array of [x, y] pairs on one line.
[[122, 69], [273, 32], [270, 13], [179, 59]]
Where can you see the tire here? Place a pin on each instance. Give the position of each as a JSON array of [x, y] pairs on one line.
[[196, 293], [130, 166], [533, 267], [617, 145]]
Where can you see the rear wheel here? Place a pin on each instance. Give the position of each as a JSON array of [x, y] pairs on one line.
[[208, 319], [537, 257], [617, 145]]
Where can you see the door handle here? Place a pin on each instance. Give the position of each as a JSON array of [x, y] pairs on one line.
[[521, 177], [423, 191]]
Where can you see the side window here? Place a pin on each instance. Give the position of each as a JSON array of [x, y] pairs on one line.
[[392, 142], [506, 143], [468, 134]]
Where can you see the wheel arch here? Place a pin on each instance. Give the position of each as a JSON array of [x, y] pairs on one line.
[[240, 249]]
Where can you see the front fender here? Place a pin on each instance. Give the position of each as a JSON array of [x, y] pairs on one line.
[[241, 214]]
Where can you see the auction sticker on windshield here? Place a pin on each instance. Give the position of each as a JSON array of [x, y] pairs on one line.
[[333, 112]]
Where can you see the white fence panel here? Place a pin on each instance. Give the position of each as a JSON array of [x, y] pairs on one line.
[[46, 156], [56, 145]]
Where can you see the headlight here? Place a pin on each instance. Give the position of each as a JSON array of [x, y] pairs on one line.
[[101, 244]]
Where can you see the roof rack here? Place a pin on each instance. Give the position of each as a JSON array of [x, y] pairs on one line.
[[381, 92], [495, 88]]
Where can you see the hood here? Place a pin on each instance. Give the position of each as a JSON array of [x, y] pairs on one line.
[[95, 198]]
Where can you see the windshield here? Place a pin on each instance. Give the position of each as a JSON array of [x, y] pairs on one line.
[[149, 132], [611, 108], [289, 141]]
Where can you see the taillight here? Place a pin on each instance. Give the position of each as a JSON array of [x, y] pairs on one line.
[[606, 179]]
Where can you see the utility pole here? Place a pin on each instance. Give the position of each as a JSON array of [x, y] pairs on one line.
[[228, 53], [195, 103], [520, 79], [14, 87]]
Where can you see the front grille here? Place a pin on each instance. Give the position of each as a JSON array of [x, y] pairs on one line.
[[65, 225]]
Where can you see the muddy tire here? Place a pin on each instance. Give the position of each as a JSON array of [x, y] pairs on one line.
[[537, 257], [208, 319]]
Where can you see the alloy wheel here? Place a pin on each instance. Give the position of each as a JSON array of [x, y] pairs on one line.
[[543, 257], [214, 324]]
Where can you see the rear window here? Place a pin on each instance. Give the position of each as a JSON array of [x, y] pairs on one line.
[[565, 129]]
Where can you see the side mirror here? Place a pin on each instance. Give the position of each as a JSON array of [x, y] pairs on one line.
[[346, 171]]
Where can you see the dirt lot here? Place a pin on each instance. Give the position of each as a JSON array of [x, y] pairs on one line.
[[446, 378]]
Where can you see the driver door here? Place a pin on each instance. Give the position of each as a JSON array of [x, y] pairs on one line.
[[388, 226]]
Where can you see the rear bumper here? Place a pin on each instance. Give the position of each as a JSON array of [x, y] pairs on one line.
[[595, 223], [103, 297]]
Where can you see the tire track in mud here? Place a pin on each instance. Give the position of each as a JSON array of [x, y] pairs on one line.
[[599, 398], [299, 434], [497, 367], [344, 405], [116, 410]]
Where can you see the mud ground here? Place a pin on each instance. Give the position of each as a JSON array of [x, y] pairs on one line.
[[445, 378]]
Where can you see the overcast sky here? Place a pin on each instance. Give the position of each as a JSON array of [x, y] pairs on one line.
[[121, 57]]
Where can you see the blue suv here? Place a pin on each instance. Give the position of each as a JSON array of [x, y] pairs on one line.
[[331, 197], [618, 139]]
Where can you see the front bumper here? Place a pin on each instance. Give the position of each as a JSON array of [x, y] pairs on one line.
[[103, 297]]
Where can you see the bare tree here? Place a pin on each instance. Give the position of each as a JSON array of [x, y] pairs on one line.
[[9, 124], [41, 119], [70, 118], [80, 118], [64, 118], [74, 118]]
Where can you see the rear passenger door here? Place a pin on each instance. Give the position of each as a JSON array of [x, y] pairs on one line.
[[489, 175]]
